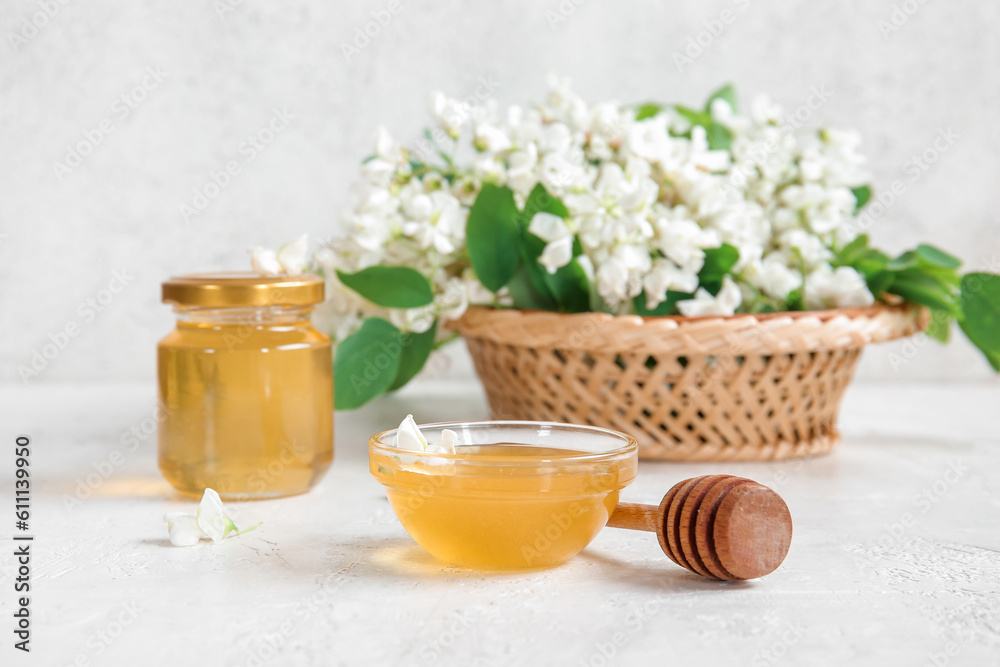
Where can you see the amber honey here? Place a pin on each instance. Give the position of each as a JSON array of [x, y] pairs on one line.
[[521, 506], [247, 397]]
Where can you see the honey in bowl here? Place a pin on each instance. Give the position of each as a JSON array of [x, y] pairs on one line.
[[528, 501]]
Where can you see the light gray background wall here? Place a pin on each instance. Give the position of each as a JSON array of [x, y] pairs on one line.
[[230, 64]]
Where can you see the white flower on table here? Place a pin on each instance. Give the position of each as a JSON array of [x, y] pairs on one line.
[[210, 521], [725, 302]]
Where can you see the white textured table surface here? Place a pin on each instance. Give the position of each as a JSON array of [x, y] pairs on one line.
[[332, 579]]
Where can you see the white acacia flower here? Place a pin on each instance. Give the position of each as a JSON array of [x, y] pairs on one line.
[[265, 262], [840, 288], [491, 139], [410, 438], [294, 256], [435, 219], [725, 302], [763, 111], [558, 173], [807, 247], [682, 240], [557, 254], [522, 168], [723, 113], [559, 240], [450, 114], [562, 103], [548, 227], [773, 275], [646, 199], [615, 283], [649, 139], [290, 259], [211, 522], [387, 148], [413, 320], [665, 275], [825, 208]]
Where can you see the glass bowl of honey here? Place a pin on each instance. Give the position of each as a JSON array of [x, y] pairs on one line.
[[515, 494]]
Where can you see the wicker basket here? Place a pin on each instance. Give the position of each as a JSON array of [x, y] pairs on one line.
[[740, 388]]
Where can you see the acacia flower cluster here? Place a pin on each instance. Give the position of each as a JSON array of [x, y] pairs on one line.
[[647, 189], [650, 209]]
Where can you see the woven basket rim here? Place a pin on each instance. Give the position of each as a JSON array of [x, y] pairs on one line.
[[764, 333]]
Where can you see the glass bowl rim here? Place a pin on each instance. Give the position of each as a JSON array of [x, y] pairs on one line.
[[630, 446]]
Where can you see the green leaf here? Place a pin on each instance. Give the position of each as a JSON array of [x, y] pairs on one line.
[[540, 201], [667, 307], [692, 116], [719, 137], [940, 325], [853, 251], [727, 93], [861, 195], [869, 262], [718, 262], [936, 257], [647, 110], [566, 290], [992, 357], [919, 287], [929, 261], [491, 236], [390, 286], [531, 248], [416, 348], [523, 293], [795, 300], [980, 316], [367, 363], [570, 287], [907, 260], [879, 282]]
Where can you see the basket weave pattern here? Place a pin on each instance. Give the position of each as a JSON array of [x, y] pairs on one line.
[[746, 387]]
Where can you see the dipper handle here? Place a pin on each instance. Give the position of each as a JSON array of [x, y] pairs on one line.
[[718, 526]]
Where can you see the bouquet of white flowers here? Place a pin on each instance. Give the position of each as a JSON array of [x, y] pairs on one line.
[[650, 209]]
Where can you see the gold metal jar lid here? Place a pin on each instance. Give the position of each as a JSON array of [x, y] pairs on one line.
[[236, 289]]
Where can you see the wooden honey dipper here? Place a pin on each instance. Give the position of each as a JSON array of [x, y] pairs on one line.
[[718, 526]]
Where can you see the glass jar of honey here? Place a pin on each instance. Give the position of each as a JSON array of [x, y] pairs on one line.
[[245, 386]]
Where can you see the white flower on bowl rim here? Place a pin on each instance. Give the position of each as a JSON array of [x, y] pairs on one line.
[[210, 521], [409, 438]]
